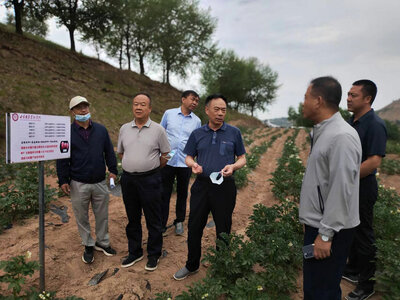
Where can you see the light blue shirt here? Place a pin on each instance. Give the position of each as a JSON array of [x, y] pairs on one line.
[[179, 127]]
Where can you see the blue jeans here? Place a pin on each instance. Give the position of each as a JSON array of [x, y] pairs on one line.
[[321, 278]]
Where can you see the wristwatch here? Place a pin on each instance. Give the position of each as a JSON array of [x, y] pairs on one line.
[[325, 238]]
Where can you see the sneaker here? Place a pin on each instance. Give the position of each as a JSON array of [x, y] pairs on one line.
[[152, 263], [164, 231], [106, 250], [183, 273], [353, 278], [359, 294], [87, 256], [179, 228], [130, 260]]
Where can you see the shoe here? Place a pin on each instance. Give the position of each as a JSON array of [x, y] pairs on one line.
[[106, 250], [183, 273], [130, 260], [359, 294], [152, 263], [353, 278], [179, 228], [87, 256], [164, 231]]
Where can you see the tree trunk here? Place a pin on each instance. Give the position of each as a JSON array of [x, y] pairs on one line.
[[121, 50], [71, 38], [128, 54], [141, 63], [167, 69], [18, 11]]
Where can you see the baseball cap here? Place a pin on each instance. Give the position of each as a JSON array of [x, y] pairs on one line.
[[77, 100]]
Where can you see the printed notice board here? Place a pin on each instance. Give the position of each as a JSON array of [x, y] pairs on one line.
[[32, 137]]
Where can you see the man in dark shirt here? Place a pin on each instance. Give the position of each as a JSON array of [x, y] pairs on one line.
[[216, 145], [83, 176], [361, 264]]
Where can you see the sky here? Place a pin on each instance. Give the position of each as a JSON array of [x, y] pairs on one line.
[[301, 40]]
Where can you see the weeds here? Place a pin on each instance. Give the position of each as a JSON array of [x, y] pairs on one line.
[[19, 192]]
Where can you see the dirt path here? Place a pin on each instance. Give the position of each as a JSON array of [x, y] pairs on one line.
[[67, 274]]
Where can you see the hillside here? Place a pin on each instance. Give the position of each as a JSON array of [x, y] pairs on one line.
[[38, 76], [391, 112]]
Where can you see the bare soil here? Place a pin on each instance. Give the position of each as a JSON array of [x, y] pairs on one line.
[[68, 275]]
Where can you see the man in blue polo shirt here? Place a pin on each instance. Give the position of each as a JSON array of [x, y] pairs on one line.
[[361, 265], [216, 145], [179, 124]]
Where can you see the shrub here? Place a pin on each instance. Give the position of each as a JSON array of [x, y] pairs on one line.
[[20, 199], [390, 166]]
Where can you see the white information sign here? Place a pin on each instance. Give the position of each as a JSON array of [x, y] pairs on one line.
[[32, 137]]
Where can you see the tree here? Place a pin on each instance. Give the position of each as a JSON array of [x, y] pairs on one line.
[[131, 31], [297, 117], [30, 11], [18, 6], [393, 131], [96, 21], [246, 83], [69, 14], [225, 73], [183, 35], [261, 86], [345, 114], [30, 24]]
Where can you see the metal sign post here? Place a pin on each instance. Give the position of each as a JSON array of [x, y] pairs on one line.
[[42, 207]]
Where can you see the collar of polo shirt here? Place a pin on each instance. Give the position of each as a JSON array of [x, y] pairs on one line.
[[223, 127], [145, 125]]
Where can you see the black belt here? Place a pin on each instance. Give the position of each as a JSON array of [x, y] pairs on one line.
[[146, 173]]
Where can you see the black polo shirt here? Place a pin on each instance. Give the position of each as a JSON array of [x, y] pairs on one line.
[[373, 135], [215, 149]]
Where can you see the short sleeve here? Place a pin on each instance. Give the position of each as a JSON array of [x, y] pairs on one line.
[[120, 147], [164, 119], [376, 138], [239, 145], [163, 141], [191, 147]]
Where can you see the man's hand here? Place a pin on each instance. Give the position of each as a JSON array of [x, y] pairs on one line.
[[112, 175], [227, 171], [65, 188], [321, 249], [197, 169]]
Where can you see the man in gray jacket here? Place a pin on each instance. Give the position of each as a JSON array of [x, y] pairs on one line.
[[330, 189]]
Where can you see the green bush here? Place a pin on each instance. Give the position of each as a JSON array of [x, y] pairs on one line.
[[386, 226], [20, 193], [288, 175], [393, 131], [393, 147], [390, 166]]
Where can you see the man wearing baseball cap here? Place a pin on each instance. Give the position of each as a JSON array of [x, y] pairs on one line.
[[83, 176]]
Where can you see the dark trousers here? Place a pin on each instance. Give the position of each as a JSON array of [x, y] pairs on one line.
[[206, 197], [182, 182], [321, 278], [143, 192], [362, 258]]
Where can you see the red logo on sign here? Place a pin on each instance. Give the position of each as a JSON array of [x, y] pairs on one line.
[[64, 146], [14, 117]]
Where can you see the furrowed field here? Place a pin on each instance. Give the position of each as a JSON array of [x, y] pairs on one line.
[[263, 260]]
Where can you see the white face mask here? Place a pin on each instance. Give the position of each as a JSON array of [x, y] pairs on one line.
[[82, 118]]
